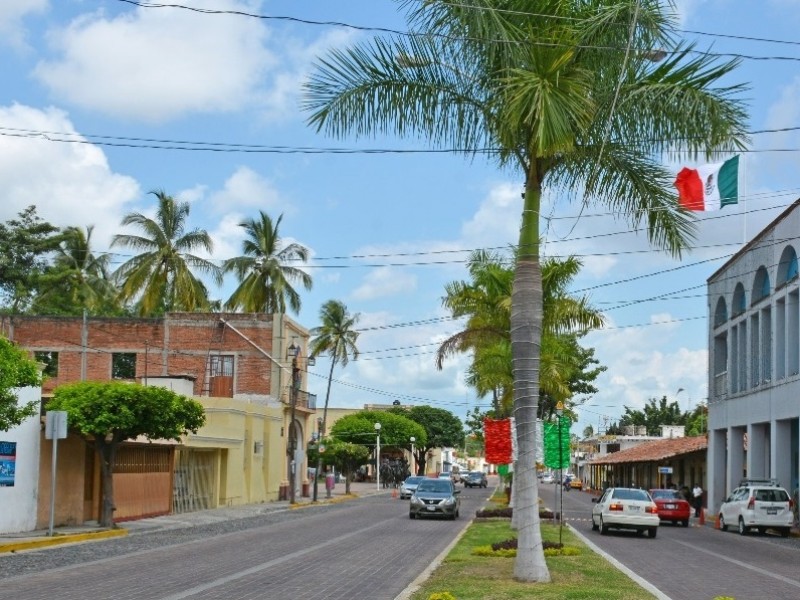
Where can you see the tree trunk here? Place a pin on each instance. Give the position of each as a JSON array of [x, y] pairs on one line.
[[107, 452], [526, 336]]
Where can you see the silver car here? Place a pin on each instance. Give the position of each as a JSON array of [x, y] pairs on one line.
[[435, 498], [409, 486], [625, 508]]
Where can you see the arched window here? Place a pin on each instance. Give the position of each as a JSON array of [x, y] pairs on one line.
[[739, 304], [787, 267], [720, 313], [760, 285]]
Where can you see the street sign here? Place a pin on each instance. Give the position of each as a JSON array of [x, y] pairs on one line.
[[665, 470], [55, 426]]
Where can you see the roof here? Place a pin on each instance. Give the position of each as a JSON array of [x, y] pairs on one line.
[[655, 451]]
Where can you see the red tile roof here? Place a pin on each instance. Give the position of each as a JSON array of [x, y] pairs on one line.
[[655, 451]]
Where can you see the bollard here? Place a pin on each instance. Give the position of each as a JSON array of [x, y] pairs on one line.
[[717, 522], [702, 516]]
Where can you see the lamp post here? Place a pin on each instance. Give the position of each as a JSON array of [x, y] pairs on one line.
[[292, 352], [378, 456], [559, 413], [413, 458]]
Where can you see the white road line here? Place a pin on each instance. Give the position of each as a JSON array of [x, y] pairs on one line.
[[742, 564]]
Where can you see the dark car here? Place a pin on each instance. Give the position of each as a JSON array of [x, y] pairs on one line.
[[435, 498], [672, 506], [476, 479]]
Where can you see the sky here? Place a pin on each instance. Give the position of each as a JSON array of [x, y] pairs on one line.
[[104, 101]]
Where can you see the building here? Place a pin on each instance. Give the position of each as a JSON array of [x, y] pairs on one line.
[[243, 368], [754, 362]]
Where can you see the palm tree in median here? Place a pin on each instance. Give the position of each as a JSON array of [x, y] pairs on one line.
[[161, 276], [337, 338], [569, 97], [265, 271]]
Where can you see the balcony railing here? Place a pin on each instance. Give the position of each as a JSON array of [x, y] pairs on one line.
[[304, 399], [721, 384]]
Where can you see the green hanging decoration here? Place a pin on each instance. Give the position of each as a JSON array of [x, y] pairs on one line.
[[551, 444]]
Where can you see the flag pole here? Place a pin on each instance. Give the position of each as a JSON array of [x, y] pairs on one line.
[[744, 199]]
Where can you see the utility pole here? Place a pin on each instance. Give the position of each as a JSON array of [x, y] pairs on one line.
[[294, 350]]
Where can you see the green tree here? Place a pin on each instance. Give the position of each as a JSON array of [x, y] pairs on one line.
[[345, 456], [266, 269], [25, 243], [654, 414], [566, 94], [17, 370], [77, 280], [442, 430], [588, 431], [337, 338], [160, 278], [108, 413]]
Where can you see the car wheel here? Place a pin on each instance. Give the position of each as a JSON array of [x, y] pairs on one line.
[[785, 532], [685, 522], [594, 525], [411, 515], [722, 524], [652, 532], [762, 530], [603, 527], [742, 528]]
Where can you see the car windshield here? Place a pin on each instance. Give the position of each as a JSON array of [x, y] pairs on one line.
[[413, 480], [438, 487], [630, 494], [665, 494], [775, 495]]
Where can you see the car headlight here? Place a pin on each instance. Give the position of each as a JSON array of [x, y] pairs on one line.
[[448, 501], [415, 500]]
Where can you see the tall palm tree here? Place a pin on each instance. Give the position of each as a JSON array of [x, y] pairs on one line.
[[264, 270], [161, 277], [78, 279], [569, 96], [337, 338]]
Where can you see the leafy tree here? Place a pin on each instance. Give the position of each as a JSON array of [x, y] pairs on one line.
[[17, 370], [161, 277], [266, 271], [442, 430], [345, 456], [24, 245], [545, 92], [108, 413], [588, 431], [654, 414], [337, 338], [77, 280]]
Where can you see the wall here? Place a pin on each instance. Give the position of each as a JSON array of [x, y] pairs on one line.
[[19, 501]]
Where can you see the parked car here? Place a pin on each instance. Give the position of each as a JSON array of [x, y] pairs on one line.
[[672, 506], [758, 504], [576, 484], [476, 479], [548, 478], [435, 498], [625, 508], [409, 485]]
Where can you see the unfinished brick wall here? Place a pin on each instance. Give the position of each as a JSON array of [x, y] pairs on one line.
[[178, 344]]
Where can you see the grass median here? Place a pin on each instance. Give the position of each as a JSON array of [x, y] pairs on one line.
[[467, 576]]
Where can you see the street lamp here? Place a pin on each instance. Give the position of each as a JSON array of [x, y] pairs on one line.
[[559, 413], [378, 456], [413, 458]]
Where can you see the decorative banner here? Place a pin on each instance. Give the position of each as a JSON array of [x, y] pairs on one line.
[[553, 447], [8, 463], [497, 440]]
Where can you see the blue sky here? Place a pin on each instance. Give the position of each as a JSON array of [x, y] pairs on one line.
[[386, 231]]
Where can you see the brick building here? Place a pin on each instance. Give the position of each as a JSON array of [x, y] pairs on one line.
[[237, 365]]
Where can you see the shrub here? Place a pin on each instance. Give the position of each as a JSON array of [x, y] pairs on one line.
[[441, 596], [508, 549], [507, 513]]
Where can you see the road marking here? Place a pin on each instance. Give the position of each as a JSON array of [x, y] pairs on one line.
[[745, 565]]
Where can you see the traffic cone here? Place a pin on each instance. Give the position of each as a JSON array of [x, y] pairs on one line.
[[394, 492], [717, 523], [702, 516]]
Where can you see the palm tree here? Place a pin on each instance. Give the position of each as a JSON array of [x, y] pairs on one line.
[[570, 97], [264, 273], [161, 276], [78, 279], [337, 338]]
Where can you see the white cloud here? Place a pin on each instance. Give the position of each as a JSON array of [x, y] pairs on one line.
[[159, 64], [247, 189], [12, 13], [385, 281], [70, 183], [496, 222]]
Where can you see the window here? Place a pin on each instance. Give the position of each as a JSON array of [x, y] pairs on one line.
[[787, 267], [739, 302], [761, 287], [123, 365], [50, 362]]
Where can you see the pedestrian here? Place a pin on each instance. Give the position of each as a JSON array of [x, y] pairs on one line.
[[697, 499]]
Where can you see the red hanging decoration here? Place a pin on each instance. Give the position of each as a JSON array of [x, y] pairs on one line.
[[497, 439]]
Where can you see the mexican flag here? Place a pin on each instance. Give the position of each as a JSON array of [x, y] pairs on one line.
[[709, 187]]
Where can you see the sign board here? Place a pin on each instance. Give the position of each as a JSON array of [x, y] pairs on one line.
[[56, 425], [665, 470]]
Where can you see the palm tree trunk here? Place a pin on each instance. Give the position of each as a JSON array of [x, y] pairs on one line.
[[323, 431], [526, 335]]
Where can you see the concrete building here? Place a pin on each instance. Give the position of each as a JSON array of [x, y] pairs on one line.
[[239, 366], [754, 362]]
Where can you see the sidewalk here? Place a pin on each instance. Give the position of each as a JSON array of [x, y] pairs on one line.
[[90, 531]]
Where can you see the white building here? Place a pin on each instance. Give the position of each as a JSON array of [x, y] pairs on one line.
[[754, 362]]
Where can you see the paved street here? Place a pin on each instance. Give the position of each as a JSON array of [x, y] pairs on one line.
[[362, 548], [694, 563]]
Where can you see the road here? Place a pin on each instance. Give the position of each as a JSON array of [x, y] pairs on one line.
[[694, 563], [364, 548]]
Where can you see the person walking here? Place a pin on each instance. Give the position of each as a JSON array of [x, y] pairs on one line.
[[697, 499]]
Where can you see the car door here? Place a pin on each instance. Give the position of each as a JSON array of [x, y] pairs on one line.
[[597, 509], [731, 508]]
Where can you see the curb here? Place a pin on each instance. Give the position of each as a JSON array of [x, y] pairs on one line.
[[60, 539]]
